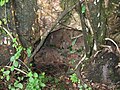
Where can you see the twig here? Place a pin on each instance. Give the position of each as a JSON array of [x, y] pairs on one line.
[[107, 46], [17, 70], [24, 64], [83, 58], [8, 33], [80, 35], [109, 39]]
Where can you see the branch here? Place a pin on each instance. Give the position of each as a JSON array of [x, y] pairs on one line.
[[83, 58], [109, 39], [17, 70], [3, 27]]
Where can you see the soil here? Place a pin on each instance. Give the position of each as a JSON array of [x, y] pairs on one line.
[[55, 60]]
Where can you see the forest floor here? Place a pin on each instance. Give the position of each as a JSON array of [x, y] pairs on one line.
[[62, 54]]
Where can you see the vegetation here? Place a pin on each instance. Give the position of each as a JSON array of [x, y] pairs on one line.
[[61, 47]]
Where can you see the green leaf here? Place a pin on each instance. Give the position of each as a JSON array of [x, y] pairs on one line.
[[42, 85], [20, 78], [74, 41], [8, 78], [29, 51], [42, 76], [7, 1], [30, 74], [85, 86], [4, 20], [83, 9], [31, 79], [2, 2], [0, 22], [19, 85], [12, 88], [35, 75], [56, 80], [2, 70], [80, 89], [12, 68], [6, 72], [15, 63], [12, 58], [74, 78], [1, 77], [73, 51], [89, 88], [14, 45], [19, 49], [80, 86], [14, 40], [17, 55]]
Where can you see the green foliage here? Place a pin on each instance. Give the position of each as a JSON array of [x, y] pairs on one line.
[[29, 51], [84, 87], [16, 86], [35, 81], [74, 41], [17, 55], [2, 2], [4, 21], [0, 22], [83, 9], [74, 78]]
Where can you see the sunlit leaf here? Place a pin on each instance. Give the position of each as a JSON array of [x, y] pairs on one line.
[[89, 88], [73, 51], [1, 77], [35, 75], [29, 51], [7, 1], [85, 85], [2, 2], [74, 78], [19, 85], [14, 40], [83, 9], [0, 22], [74, 41], [12, 58], [4, 20], [8, 78], [30, 74], [12, 88], [2, 70], [31, 79], [12, 68], [6, 72], [15, 64], [42, 85]]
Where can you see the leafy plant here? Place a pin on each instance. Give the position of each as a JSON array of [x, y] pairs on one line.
[[35, 81], [76, 80], [83, 9], [16, 86], [29, 51], [2, 2]]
